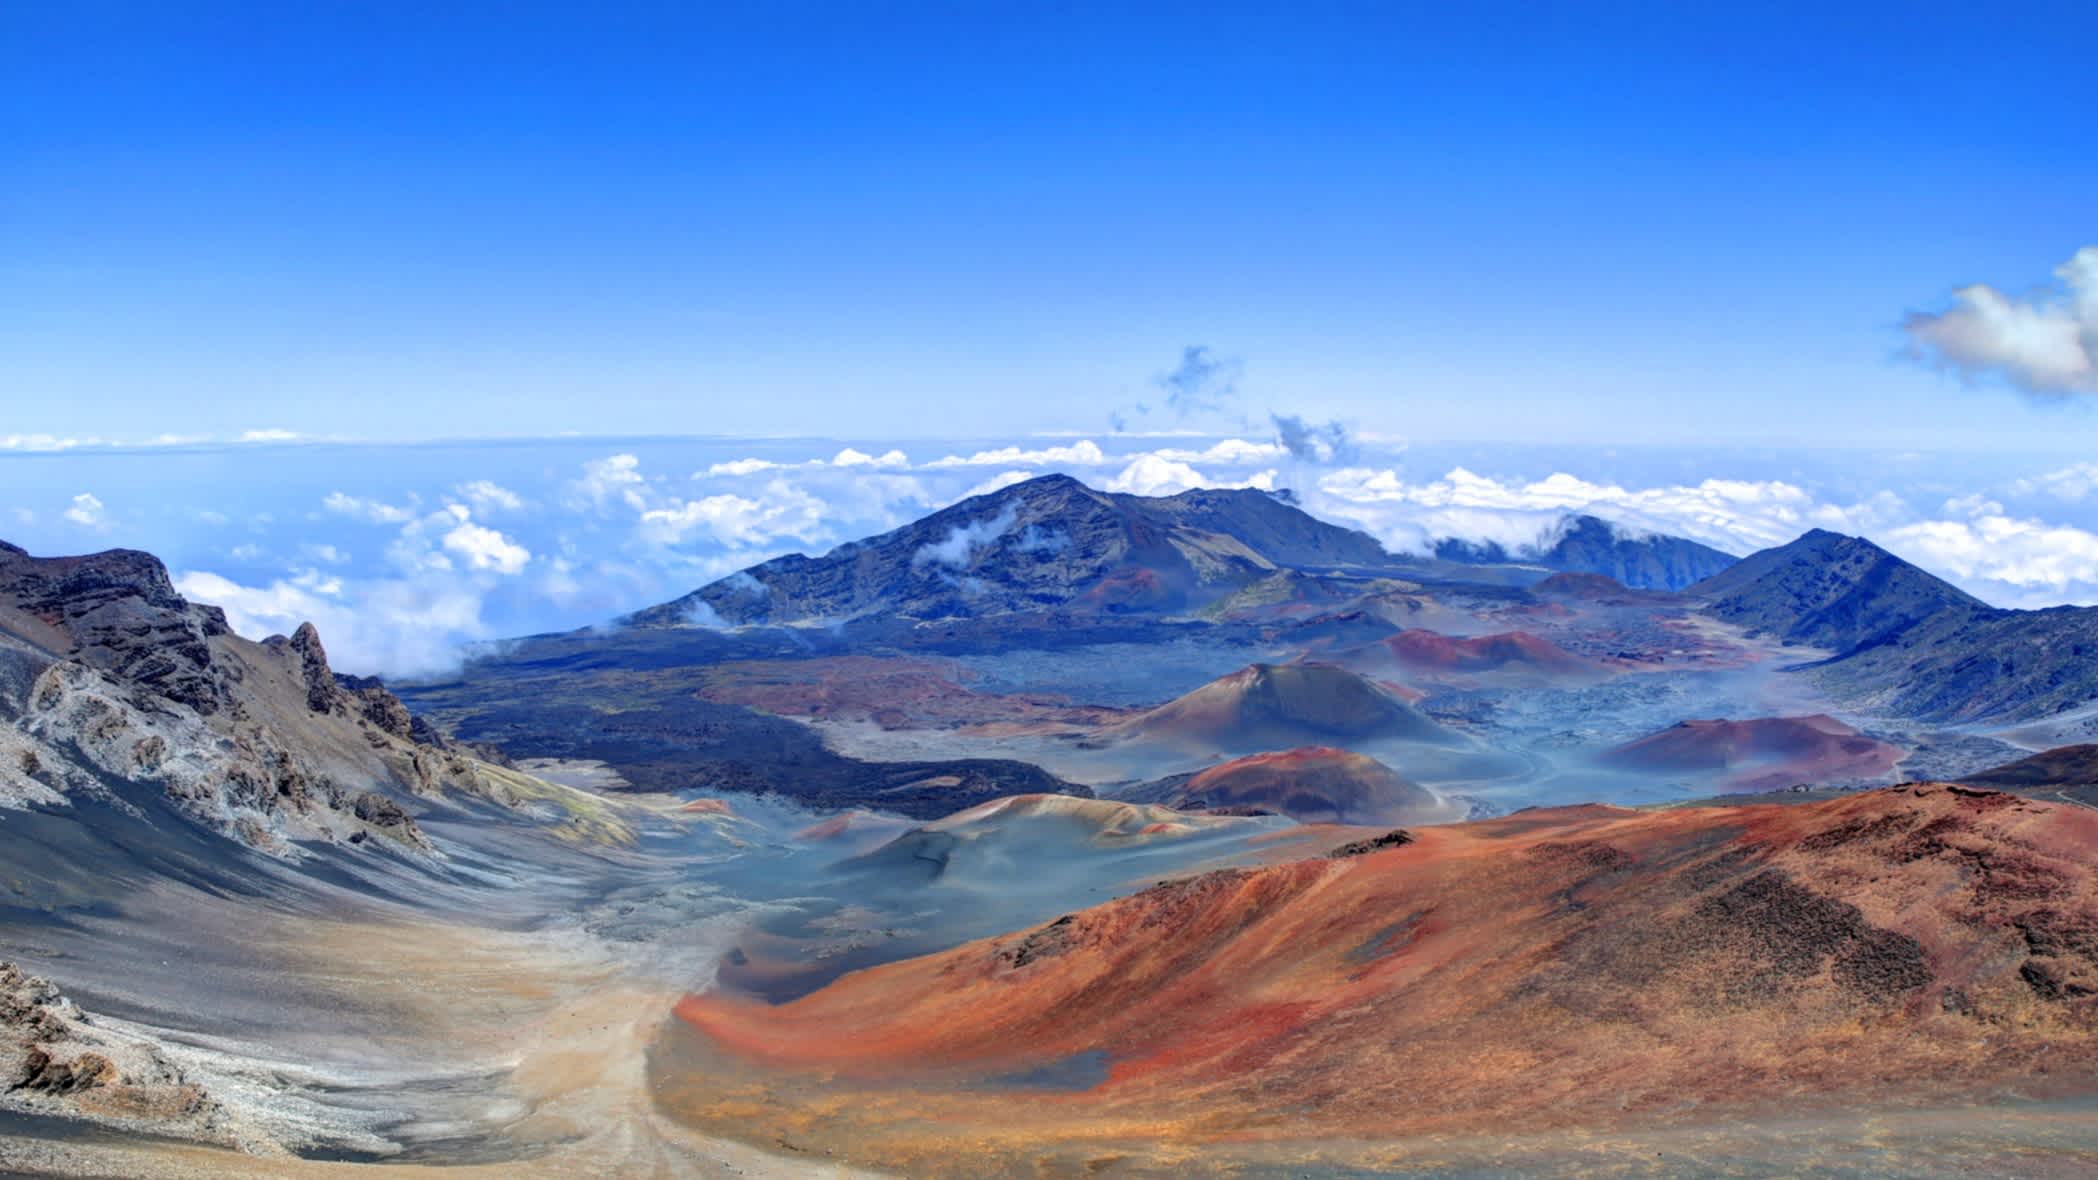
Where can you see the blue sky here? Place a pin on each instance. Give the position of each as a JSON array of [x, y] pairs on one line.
[[1596, 224], [740, 279]]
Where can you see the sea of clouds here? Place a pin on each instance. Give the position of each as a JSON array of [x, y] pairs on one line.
[[405, 555]]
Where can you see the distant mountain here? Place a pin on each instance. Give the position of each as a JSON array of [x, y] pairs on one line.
[[1047, 543], [1311, 784], [1829, 590], [2063, 766], [1906, 642], [1591, 545], [1274, 706]]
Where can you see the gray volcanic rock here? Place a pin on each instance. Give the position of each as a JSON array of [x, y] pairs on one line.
[[1591, 545], [1048, 543], [1832, 591], [109, 680], [1905, 642], [57, 1060]]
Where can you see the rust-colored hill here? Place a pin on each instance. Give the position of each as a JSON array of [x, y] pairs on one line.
[[1310, 784], [1587, 967], [1763, 753], [1272, 706], [1421, 651]]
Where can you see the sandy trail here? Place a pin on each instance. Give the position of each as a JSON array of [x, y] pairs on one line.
[[555, 1027]]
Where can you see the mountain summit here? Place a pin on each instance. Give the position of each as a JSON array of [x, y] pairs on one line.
[[1047, 543], [1592, 545]]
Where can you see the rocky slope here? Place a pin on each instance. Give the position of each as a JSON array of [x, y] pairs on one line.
[[111, 683], [1907, 643], [1050, 542], [1590, 545], [1587, 967], [56, 1060]]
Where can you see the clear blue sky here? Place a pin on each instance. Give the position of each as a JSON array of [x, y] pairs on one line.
[[1599, 223]]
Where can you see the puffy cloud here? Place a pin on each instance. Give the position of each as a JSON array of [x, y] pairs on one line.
[[2039, 562], [852, 458], [1229, 451], [487, 497], [87, 511], [1729, 514], [372, 511], [2046, 343], [783, 510], [1155, 475], [394, 627], [612, 478], [483, 548], [1085, 453]]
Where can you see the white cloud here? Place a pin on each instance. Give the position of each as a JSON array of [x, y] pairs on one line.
[[1084, 453], [741, 467], [1003, 479], [964, 541], [268, 435], [614, 477], [1229, 451], [2040, 562], [852, 458], [1150, 475], [484, 548], [390, 626], [372, 511], [782, 510], [1729, 514], [87, 511], [1154, 475], [2071, 483], [488, 497], [2045, 343], [41, 442]]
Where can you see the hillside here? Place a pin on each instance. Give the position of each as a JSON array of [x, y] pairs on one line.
[[1591, 545], [1589, 967], [1050, 542], [1277, 706], [1312, 784], [1905, 642]]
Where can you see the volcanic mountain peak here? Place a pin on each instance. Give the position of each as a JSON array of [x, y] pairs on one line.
[[1266, 706], [1310, 784], [1591, 545], [1047, 543], [1833, 591]]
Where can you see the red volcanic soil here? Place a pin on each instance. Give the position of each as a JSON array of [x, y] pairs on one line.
[[894, 692], [1766, 753], [1269, 705], [1591, 968], [1430, 651], [707, 807], [1314, 784]]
